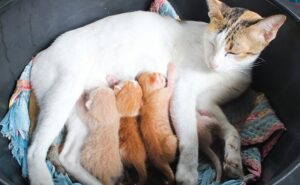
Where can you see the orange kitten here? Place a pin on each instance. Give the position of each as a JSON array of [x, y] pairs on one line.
[[100, 154], [132, 149], [207, 127], [160, 141]]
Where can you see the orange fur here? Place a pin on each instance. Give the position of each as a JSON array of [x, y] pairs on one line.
[[132, 149], [100, 153], [160, 141]]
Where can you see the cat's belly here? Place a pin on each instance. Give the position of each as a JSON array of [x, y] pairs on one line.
[[125, 67]]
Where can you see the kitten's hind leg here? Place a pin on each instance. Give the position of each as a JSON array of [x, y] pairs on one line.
[[232, 160], [70, 154], [55, 109]]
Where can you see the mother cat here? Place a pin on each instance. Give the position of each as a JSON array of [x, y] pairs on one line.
[[214, 64]]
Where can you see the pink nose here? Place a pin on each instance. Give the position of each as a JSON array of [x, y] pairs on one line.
[[213, 66]]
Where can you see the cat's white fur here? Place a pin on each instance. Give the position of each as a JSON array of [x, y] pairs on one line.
[[125, 45]]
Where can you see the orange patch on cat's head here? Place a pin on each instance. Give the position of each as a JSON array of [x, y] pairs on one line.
[[151, 82], [129, 98]]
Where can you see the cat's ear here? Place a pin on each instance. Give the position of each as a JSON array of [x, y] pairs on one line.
[[216, 9], [267, 28]]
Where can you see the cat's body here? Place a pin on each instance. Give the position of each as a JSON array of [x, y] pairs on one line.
[[159, 139], [208, 128], [128, 44], [132, 149], [100, 154]]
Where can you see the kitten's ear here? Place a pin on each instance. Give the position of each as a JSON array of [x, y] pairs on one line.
[[216, 9], [88, 104], [153, 77], [117, 89], [267, 28]]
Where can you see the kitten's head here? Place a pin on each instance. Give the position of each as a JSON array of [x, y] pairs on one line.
[[151, 82], [237, 36], [129, 98], [101, 104]]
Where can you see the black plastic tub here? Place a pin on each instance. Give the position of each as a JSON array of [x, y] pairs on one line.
[[28, 26]]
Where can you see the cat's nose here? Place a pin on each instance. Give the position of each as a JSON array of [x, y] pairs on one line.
[[212, 66]]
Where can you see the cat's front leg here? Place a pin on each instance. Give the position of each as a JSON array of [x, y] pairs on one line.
[[183, 115], [232, 165]]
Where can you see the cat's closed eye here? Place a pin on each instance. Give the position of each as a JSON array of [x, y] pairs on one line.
[[212, 45], [230, 53]]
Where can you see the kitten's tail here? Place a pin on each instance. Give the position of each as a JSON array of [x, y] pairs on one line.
[[142, 172], [216, 162], [167, 171]]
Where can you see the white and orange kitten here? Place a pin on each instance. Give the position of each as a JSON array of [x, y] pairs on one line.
[[214, 66]]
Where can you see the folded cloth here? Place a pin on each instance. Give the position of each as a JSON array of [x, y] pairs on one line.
[[259, 132], [164, 8]]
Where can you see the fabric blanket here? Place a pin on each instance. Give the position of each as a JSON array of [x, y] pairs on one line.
[[259, 132]]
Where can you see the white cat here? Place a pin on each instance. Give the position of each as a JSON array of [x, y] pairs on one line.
[[213, 60]]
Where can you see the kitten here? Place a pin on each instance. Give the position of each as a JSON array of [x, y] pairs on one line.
[[132, 149], [214, 61], [207, 127], [100, 154], [160, 141]]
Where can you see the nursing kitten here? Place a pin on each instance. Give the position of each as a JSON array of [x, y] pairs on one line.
[[208, 127], [132, 149], [214, 61], [159, 139], [100, 154]]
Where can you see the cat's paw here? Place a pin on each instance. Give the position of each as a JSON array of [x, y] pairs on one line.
[[233, 167], [186, 175]]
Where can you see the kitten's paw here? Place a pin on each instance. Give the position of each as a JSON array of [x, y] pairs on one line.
[[171, 66], [233, 167], [186, 175]]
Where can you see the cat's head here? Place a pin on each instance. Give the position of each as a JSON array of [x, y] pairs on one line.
[[237, 36], [101, 104], [151, 82], [129, 98]]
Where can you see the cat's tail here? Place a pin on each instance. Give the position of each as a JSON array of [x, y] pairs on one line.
[[142, 172], [216, 162]]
